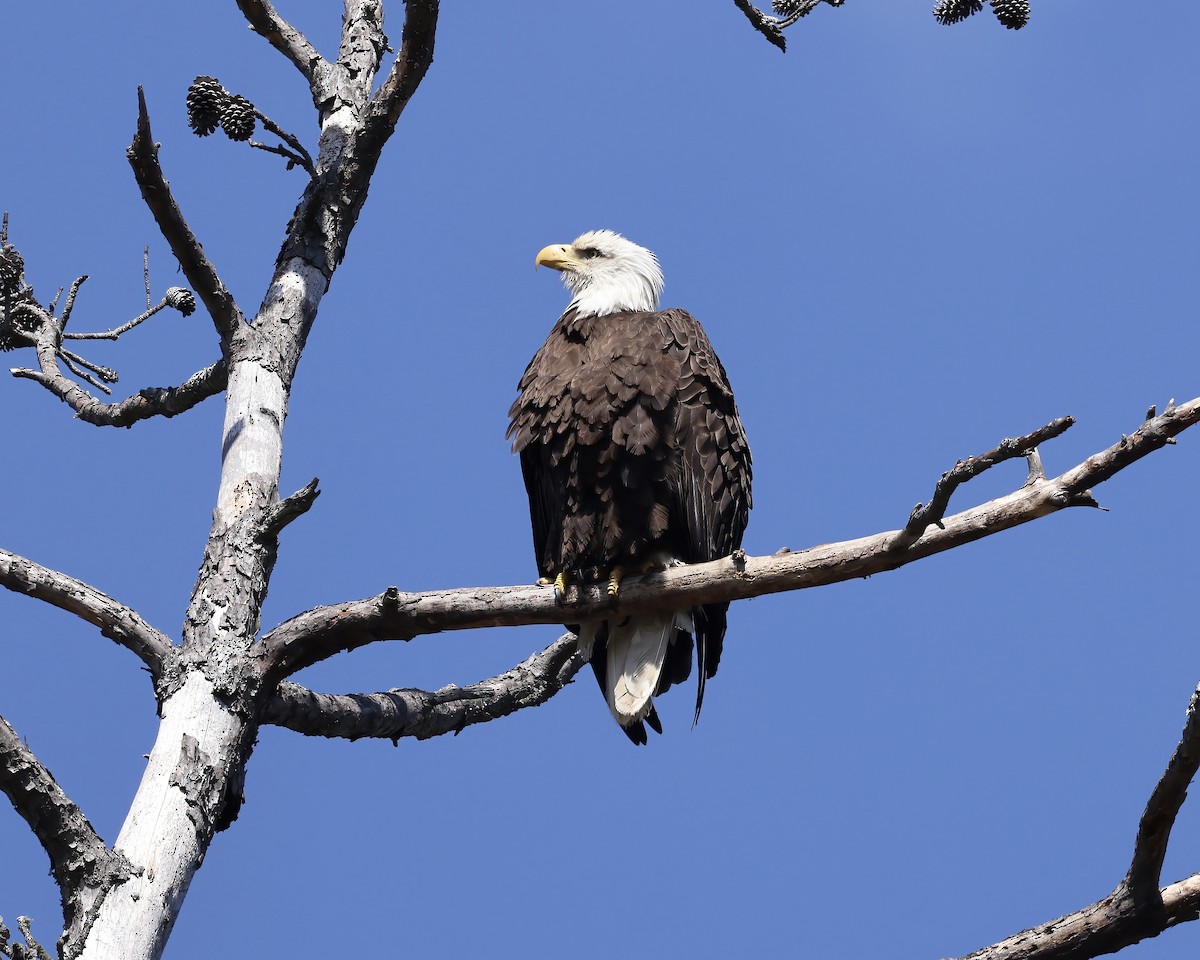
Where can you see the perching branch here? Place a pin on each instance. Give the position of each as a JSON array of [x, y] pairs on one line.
[[201, 274], [116, 621], [83, 866], [393, 714], [319, 633]]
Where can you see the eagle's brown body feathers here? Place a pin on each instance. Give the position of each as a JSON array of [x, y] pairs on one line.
[[633, 453]]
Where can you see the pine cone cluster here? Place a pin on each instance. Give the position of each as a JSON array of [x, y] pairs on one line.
[[210, 105], [10, 339], [182, 300], [12, 292], [1014, 14]]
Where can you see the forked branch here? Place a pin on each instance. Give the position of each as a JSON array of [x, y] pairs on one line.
[[147, 403], [83, 866], [1137, 908]]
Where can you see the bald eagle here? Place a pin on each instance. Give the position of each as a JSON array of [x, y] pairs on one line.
[[634, 459]]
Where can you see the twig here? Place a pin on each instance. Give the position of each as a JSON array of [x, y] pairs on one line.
[[288, 509], [201, 274], [82, 374], [70, 304], [107, 374], [297, 155], [324, 631], [116, 621], [422, 714], [925, 515], [124, 328]]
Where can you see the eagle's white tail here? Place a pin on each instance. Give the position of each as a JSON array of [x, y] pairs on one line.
[[637, 647]]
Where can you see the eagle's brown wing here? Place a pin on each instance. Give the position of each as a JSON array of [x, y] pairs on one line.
[[712, 494]]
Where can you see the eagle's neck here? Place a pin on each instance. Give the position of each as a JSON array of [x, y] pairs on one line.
[[618, 291]]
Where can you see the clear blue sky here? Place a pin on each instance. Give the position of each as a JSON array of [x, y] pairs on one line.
[[907, 241]]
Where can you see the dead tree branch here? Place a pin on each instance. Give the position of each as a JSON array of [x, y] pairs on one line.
[[1137, 909], [925, 515], [147, 403], [1154, 830], [409, 68], [84, 868], [265, 20], [393, 714], [156, 191], [789, 12], [324, 631], [116, 621]]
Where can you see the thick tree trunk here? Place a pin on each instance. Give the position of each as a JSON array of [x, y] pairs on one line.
[[171, 822]]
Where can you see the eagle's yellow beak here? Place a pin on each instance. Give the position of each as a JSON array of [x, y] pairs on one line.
[[557, 256]]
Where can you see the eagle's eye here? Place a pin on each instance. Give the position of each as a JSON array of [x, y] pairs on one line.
[[589, 253]]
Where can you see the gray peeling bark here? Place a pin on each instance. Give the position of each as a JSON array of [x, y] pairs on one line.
[[84, 868], [192, 784]]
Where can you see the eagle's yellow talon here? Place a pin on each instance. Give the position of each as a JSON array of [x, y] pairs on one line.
[[561, 582], [614, 582]]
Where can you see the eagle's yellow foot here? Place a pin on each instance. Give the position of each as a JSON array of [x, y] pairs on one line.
[[614, 582], [561, 582], [544, 581]]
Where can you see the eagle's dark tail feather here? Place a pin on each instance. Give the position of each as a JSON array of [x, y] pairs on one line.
[[710, 638]]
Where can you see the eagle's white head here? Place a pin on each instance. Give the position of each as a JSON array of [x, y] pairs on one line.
[[605, 273]]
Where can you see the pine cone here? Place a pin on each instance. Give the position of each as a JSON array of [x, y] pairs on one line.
[[182, 300], [1014, 14], [9, 338], [12, 270], [205, 98], [952, 11], [237, 118]]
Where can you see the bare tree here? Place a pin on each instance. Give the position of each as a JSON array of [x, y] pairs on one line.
[[223, 678]]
